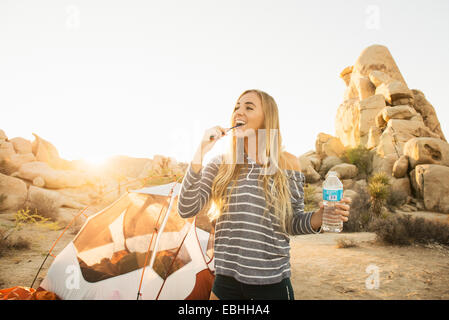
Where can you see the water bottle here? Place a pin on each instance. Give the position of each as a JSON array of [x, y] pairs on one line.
[[332, 193]]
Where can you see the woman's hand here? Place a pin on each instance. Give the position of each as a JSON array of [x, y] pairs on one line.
[[341, 211], [342, 208], [207, 142]]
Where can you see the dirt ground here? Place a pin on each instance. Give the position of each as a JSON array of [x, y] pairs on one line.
[[320, 270]]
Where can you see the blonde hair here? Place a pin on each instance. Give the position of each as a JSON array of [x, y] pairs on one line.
[[279, 196]]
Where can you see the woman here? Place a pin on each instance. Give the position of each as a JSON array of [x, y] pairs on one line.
[[256, 192]]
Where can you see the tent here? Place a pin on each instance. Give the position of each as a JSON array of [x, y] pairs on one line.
[[106, 258]]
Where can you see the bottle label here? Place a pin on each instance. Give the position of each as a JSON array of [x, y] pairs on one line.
[[332, 195]]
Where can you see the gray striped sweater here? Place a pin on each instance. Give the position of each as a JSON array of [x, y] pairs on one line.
[[248, 246]]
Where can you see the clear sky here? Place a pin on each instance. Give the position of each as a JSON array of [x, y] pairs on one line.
[[139, 78]]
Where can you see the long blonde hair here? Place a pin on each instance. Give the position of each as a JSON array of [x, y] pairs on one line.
[[279, 196]]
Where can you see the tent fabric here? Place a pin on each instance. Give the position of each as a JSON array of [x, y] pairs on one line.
[[106, 258], [26, 293]]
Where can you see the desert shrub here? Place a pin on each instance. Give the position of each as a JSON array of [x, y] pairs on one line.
[[360, 157], [7, 244], [379, 190], [25, 216], [346, 243], [360, 214], [405, 230], [310, 204], [45, 207], [161, 176]]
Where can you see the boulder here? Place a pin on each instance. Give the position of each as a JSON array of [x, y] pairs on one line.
[[36, 194], [360, 185], [427, 112], [54, 179], [400, 189], [402, 101], [314, 159], [328, 163], [354, 119], [398, 112], [430, 183], [377, 57], [353, 195], [427, 151], [383, 164], [394, 91], [11, 161], [46, 152], [347, 122], [327, 145], [345, 170], [373, 137], [3, 136], [378, 77], [414, 183], [308, 169], [347, 183], [398, 132], [15, 191], [362, 86], [400, 167], [369, 108], [21, 145], [379, 120], [18, 159], [346, 74], [39, 182], [6, 150]]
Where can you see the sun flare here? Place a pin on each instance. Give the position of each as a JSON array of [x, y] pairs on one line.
[[95, 161]]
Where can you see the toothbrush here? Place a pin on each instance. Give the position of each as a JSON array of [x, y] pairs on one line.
[[212, 137]]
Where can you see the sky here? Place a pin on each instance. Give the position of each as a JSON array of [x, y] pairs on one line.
[[140, 78]]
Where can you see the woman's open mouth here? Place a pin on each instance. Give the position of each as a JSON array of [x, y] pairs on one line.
[[240, 123]]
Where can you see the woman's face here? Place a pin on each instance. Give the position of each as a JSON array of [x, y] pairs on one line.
[[249, 111]]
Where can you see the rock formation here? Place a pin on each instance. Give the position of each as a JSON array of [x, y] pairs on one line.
[[31, 171], [397, 124]]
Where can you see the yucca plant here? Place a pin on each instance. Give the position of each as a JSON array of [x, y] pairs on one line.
[[379, 190]]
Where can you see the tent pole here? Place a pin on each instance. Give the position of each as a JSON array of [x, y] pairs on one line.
[[54, 244], [159, 232]]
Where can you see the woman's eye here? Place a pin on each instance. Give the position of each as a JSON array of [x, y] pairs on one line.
[[250, 108]]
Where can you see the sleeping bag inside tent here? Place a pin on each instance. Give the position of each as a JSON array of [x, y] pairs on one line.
[[106, 258]]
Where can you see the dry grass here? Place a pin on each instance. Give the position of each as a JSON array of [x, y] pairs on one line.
[[44, 206], [346, 243], [24, 216], [7, 243]]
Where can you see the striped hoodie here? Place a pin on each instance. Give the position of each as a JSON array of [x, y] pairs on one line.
[[248, 246]]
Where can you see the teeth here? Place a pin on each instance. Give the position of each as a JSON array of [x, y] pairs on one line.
[[239, 122]]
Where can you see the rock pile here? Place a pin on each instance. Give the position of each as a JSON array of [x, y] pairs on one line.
[[397, 124], [32, 171]]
